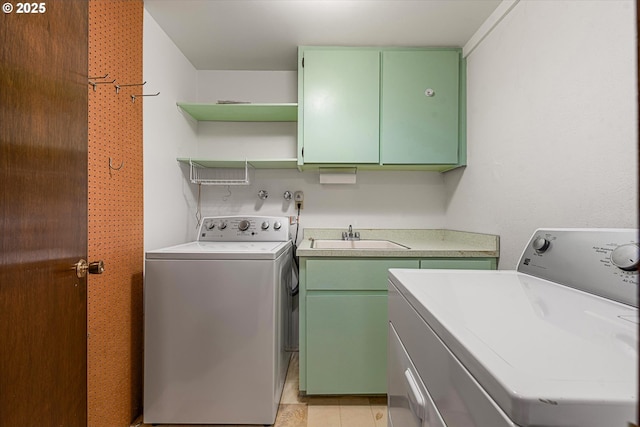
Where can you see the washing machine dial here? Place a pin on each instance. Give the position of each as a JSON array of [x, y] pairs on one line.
[[626, 257], [222, 225], [540, 244], [277, 225], [244, 225], [265, 225], [210, 226]]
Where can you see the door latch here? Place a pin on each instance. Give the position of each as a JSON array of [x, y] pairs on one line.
[[82, 267]]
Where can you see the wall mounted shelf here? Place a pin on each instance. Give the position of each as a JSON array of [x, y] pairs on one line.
[[242, 112]]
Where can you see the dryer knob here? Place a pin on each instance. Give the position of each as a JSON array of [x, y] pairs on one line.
[[222, 225], [244, 225], [277, 225], [265, 225], [626, 257], [540, 244]]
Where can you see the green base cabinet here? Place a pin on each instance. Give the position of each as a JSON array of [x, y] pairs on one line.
[[344, 321], [343, 324]]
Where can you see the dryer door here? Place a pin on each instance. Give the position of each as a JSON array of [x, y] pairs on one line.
[[410, 405]]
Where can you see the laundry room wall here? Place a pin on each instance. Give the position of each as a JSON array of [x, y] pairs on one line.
[[167, 135], [394, 199], [552, 124]]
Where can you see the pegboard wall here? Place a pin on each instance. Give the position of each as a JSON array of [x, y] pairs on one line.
[[115, 327]]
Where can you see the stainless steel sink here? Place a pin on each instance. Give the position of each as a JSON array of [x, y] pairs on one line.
[[355, 244]]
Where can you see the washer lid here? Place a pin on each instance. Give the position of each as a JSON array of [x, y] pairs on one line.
[[221, 250], [548, 355]]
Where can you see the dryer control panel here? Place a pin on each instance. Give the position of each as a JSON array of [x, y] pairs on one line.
[[244, 229], [599, 261]]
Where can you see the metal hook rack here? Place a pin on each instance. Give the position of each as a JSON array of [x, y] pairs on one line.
[[94, 84], [133, 97], [129, 84], [99, 77]]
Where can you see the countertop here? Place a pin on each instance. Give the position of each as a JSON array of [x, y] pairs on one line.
[[421, 243]]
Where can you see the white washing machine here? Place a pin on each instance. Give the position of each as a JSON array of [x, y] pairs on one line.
[[216, 319], [552, 344]]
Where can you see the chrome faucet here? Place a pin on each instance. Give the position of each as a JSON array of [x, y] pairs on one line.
[[350, 235]]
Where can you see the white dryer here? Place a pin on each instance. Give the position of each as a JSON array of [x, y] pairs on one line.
[[216, 319], [552, 344]]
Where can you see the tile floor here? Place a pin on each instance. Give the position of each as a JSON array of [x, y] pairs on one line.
[[312, 411]]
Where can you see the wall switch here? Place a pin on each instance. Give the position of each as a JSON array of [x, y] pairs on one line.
[[298, 197]]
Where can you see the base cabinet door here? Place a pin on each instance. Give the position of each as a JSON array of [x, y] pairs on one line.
[[347, 343], [459, 263]]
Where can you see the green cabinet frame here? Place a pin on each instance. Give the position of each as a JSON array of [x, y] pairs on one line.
[[367, 107]]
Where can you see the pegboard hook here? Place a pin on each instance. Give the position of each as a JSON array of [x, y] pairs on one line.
[[133, 97], [115, 168], [94, 84], [129, 84]]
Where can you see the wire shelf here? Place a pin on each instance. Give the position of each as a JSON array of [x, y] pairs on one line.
[[208, 175]]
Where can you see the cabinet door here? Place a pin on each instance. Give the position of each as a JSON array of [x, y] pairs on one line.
[[353, 274], [341, 99], [417, 128], [459, 264], [347, 343]]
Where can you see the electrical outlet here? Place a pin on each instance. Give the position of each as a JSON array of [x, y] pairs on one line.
[[298, 197]]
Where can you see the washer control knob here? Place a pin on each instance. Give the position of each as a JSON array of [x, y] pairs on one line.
[[277, 225], [244, 225], [540, 244], [265, 225], [222, 225], [210, 226], [626, 257]]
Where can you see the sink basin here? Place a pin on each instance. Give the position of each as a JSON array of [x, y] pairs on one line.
[[356, 244]]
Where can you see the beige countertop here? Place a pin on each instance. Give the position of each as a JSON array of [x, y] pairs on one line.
[[420, 243]]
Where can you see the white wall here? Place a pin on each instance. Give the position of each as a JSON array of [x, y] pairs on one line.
[[167, 135], [378, 199], [552, 124]]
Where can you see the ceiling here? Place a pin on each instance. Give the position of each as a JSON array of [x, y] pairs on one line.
[[264, 34]]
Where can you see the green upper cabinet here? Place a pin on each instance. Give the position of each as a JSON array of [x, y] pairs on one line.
[[340, 107], [388, 108], [419, 107]]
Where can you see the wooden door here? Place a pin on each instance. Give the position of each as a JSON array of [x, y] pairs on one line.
[[43, 215]]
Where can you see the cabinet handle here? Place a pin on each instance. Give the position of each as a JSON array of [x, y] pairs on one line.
[[430, 92]]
